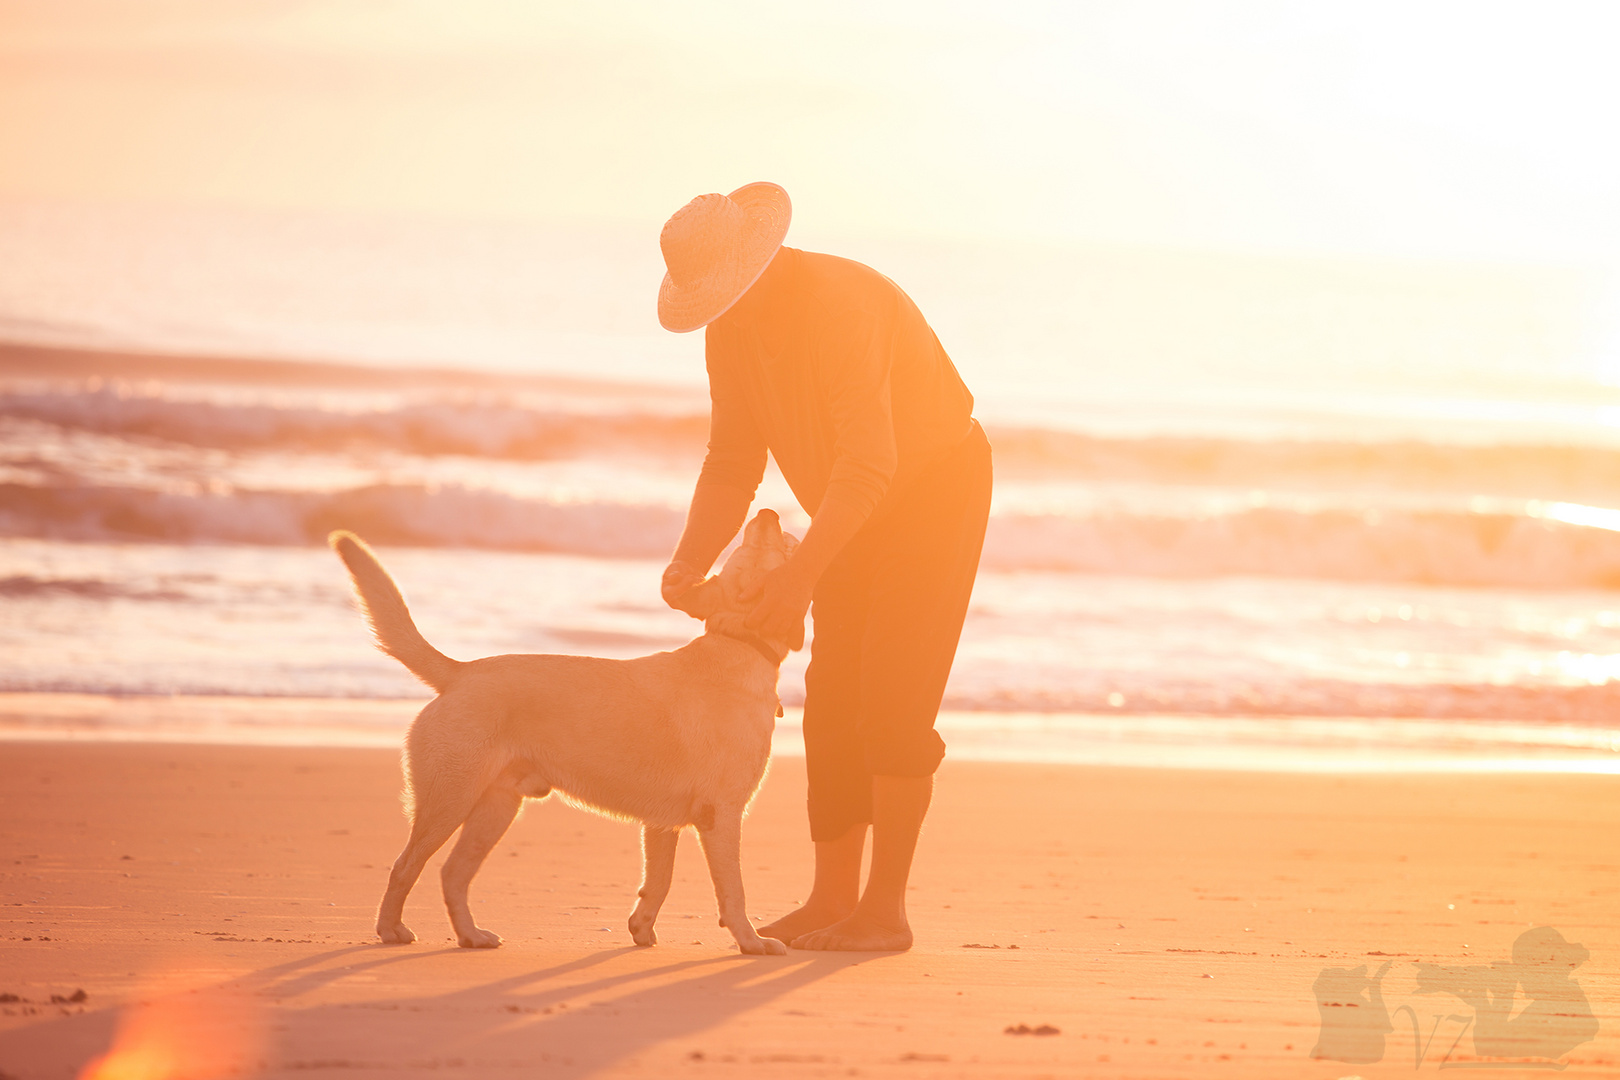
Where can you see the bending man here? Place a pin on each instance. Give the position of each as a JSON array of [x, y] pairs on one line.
[[829, 366]]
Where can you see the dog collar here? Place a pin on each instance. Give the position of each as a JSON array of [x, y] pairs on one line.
[[759, 645]]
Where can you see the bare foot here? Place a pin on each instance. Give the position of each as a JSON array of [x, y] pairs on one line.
[[801, 921], [858, 933]]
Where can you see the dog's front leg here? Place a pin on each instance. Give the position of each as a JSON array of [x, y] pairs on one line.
[[722, 847], [658, 870]]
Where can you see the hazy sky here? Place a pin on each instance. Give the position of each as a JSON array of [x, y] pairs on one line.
[[1470, 130]]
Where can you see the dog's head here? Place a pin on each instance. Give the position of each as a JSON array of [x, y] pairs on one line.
[[719, 602]]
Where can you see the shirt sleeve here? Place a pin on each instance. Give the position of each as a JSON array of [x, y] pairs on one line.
[[736, 457], [855, 358]]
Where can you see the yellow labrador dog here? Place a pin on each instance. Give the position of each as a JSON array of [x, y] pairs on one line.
[[673, 739]]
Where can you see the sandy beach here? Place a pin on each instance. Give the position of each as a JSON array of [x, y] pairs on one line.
[[214, 904]]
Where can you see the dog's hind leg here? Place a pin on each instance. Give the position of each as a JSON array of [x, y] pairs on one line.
[[429, 831], [721, 837], [658, 869], [487, 823]]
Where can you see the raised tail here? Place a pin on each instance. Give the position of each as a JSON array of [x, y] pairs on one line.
[[390, 619]]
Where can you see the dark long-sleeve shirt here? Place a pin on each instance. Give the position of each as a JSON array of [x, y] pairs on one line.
[[832, 369]]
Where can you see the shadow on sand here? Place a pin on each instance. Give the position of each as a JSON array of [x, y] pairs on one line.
[[574, 1018]]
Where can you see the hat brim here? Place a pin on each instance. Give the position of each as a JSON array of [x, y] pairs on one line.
[[699, 303]]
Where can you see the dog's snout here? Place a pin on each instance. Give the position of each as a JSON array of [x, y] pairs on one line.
[[765, 528]]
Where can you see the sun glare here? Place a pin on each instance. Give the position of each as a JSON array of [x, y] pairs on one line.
[[1596, 517], [182, 1033]]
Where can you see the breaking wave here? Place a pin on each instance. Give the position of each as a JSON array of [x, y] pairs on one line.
[[387, 514], [1433, 547], [513, 426], [476, 428]]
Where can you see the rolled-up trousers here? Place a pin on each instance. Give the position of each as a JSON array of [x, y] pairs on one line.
[[888, 614]]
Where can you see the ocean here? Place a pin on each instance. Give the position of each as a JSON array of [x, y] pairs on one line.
[[1228, 491]]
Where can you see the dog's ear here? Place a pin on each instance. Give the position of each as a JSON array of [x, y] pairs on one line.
[[796, 641], [702, 600]]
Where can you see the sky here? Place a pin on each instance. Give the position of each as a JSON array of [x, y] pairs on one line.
[[1444, 130], [1472, 132]]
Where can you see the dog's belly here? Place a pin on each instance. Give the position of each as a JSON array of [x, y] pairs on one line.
[[671, 798], [665, 782]]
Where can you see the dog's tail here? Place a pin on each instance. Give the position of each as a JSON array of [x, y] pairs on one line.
[[390, 619]]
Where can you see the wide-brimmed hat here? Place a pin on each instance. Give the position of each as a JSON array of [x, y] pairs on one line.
[[715, 248]]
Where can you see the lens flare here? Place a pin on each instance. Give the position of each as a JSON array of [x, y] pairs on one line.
[[183, 1033]]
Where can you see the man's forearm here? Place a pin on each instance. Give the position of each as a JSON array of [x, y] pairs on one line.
[[716, 513]]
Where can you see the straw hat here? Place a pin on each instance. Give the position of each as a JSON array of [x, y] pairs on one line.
[[715, 248]]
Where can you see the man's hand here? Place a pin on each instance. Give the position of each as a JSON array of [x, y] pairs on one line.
[[679, 579], [784, 600]]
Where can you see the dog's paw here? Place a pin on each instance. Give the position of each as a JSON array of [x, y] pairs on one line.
[[643, 935], [398, 934], [762, 947], [479, 938]]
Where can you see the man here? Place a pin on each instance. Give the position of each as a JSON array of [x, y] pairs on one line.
[[831, 368]]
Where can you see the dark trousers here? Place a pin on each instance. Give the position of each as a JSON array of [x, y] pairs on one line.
[[888, 614]]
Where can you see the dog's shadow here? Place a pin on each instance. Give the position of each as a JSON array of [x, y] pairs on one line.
[[571, 1026], [549, 1019]]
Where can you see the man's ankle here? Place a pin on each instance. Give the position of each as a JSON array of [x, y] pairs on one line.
[[884, 912], [841, 904]]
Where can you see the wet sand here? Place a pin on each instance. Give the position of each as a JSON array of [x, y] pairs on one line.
[[1165, 922]]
